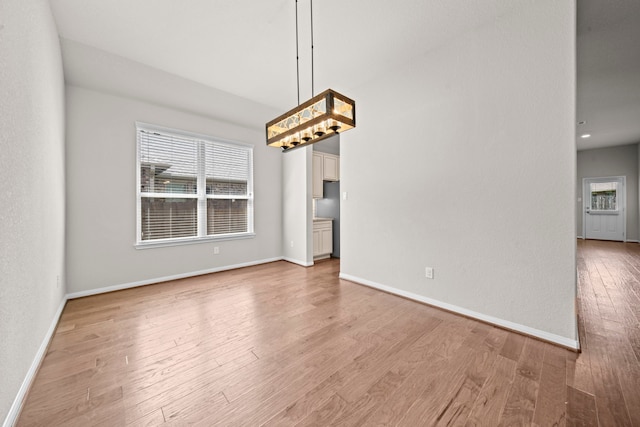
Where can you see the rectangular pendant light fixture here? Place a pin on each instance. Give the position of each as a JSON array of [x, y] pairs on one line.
[[322, 116]]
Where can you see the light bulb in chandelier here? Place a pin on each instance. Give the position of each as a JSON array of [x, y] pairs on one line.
[[319, 129]]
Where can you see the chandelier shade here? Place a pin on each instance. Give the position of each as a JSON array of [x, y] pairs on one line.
[[322, 116]]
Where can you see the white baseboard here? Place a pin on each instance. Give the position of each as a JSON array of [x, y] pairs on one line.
[[626, 241], [122, 286], [14, 411], [297, 261], [546, 336]]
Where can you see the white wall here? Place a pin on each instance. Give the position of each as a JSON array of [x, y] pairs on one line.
[[32, 176], [297, 205], [465, 161], [101, 196], [610, 161]]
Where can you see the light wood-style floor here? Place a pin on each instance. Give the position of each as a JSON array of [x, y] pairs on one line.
[[281, 345]]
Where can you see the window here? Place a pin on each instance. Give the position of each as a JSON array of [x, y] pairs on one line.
[[192, 187], [603, 196]]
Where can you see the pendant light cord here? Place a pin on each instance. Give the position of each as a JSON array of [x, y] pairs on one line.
[[313, 92], [297, 55]]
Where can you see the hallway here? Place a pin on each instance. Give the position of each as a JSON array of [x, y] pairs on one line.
[[604, 379]]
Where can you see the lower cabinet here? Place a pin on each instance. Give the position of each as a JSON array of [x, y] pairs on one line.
[[322, 239]]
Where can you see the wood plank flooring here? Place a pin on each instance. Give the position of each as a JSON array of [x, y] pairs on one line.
[[281, 345]]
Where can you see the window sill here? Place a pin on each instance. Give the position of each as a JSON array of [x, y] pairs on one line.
[[192, 241]]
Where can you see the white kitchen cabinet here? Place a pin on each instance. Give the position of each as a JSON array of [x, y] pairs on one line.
[[322, 238], [318, 168], [326, 167], [330, 167]]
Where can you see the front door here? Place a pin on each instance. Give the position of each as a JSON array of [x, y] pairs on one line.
[[604, 208]]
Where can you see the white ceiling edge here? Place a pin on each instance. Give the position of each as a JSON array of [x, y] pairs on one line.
[[92, 68]]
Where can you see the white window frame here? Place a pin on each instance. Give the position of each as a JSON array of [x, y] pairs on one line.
[[201, 193]]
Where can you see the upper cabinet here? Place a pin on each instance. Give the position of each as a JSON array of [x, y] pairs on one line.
[[330, 167], [326, 167]]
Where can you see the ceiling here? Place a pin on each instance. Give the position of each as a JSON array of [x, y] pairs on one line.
[[247, 49], [608, 92]]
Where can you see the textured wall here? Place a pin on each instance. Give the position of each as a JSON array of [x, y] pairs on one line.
[[101, 195], [611, 161], [480, 167], [32, 176]]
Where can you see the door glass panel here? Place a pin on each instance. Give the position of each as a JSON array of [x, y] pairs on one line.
[[604, 196]]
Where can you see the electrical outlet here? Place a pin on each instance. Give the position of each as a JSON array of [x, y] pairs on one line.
[[216, 250], [58, 281], [292, 243], [345, 195], [428, 272]]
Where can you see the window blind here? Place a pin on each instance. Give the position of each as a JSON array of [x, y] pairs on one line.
[[191, 187], [227, 188]]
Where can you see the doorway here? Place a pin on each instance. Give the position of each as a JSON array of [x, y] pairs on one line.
[[327, 200], [604, 208]]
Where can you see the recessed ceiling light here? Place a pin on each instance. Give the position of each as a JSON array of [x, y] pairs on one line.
[[586, 135], [582, 122]]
